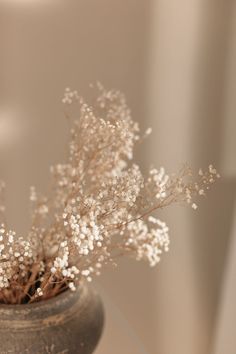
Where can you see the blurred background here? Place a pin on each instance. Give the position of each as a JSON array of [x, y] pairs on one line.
[[175, 61]]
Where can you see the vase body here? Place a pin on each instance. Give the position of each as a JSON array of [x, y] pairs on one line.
[[70, 323]]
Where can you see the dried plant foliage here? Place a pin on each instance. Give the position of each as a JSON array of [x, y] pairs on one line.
[[100, 207]]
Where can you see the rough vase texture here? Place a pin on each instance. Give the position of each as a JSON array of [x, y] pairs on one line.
[[70, 323]]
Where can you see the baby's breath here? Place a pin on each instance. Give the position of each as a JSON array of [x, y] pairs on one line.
[[101, 206]]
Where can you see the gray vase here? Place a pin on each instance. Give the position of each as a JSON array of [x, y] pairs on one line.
[[70, 323]]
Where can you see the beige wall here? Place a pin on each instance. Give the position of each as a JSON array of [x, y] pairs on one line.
[[174, 61]]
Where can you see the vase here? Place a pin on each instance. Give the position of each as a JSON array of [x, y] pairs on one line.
[[70, 323]]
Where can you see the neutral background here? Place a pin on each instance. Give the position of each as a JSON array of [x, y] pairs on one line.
[[175, 61]]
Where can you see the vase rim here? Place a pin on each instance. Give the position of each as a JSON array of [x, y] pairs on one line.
[[57, 308], [41, 303]]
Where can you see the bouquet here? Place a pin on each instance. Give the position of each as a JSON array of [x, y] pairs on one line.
[[100, 206]]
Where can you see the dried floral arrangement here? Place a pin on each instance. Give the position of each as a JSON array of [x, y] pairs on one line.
[[100, 206]]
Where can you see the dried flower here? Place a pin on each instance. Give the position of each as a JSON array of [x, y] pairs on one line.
[[101, 206]]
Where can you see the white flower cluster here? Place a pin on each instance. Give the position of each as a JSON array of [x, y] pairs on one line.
[[148, 243], [16, 255], [160, 179], [85, 233], [61, 263], [70, 96]]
